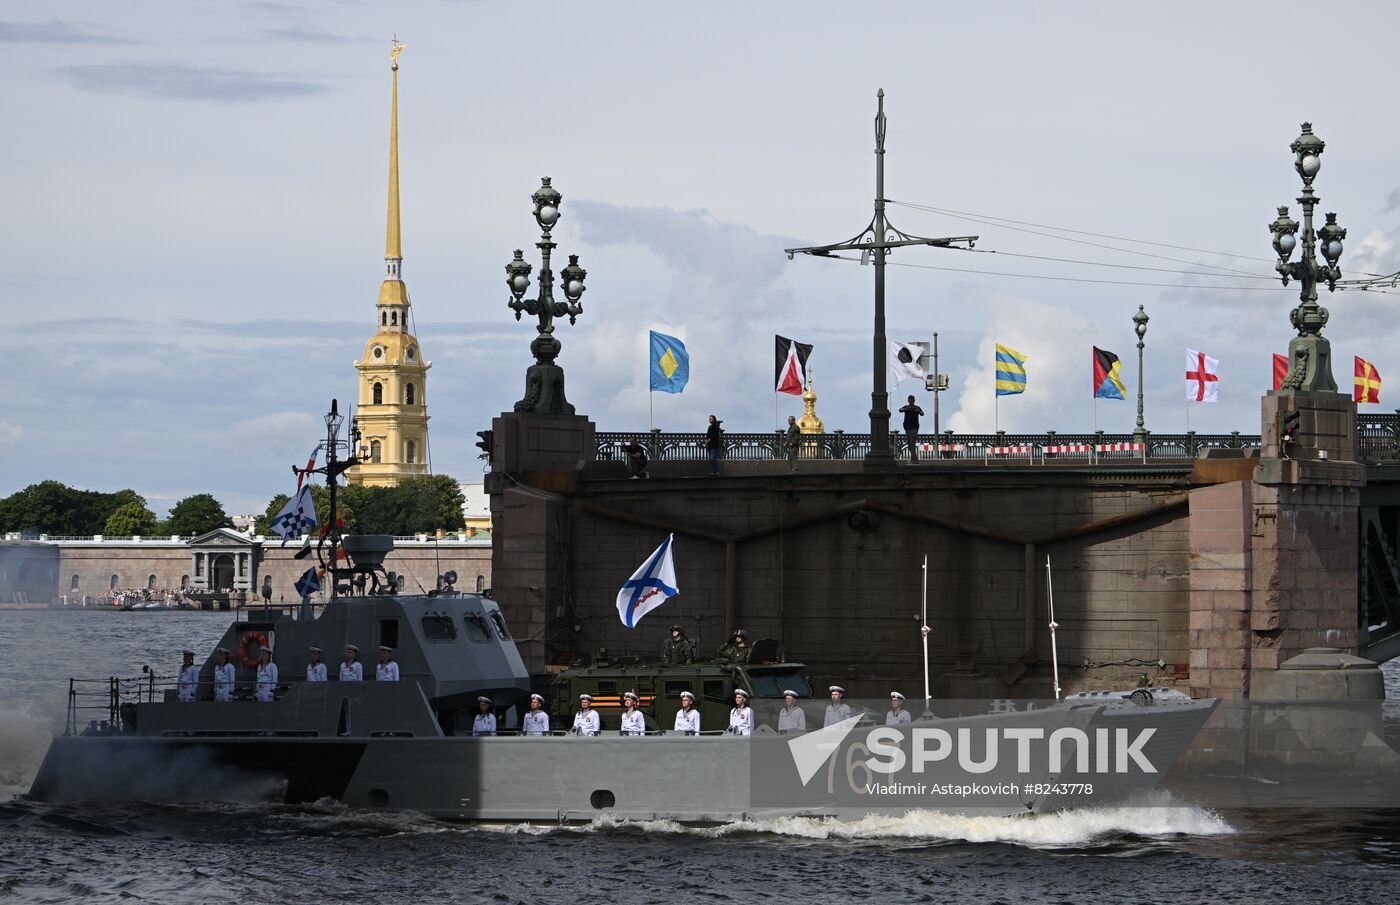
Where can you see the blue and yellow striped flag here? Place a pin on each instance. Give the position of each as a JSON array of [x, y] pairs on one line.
[[1011, 371]]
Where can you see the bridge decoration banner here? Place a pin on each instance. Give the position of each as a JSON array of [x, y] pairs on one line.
[[790, 365], [1011, 371], [1368, 382], [1107, 382], [670, 364], [1202, 381], [651, 585], [1280, 370]]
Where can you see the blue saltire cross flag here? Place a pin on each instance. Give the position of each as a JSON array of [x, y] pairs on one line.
[[649, 586], [309, 583], [296, 516]]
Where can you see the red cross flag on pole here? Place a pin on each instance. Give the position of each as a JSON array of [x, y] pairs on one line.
[[1202, 384], [1368, 382]]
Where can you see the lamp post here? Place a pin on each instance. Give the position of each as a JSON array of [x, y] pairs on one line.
[[1309, 354], [1140, 328], [880, 237], [544, 380], [333, 468]]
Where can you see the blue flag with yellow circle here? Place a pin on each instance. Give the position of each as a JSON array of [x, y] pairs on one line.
[[670, 365]]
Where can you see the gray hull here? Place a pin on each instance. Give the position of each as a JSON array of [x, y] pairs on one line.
[[702, 779]]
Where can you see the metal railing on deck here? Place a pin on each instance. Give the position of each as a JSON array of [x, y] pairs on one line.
[[97, 703]]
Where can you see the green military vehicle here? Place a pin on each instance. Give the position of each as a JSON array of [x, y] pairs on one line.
[[765, 677]]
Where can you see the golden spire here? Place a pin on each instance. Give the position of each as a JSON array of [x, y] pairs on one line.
[[393, 246], [809, 423]]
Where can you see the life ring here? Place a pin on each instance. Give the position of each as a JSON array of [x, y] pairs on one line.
[[261, 638]]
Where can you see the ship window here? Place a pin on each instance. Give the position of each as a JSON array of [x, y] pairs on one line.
[[438, 628], [602, 799], [389, 632], [73, 585], [770, 683], [476, 627], [408, 394], [714, 690], [500, 623], [379, 394]]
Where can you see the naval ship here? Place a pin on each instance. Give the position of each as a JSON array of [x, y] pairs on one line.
[[409, 744]]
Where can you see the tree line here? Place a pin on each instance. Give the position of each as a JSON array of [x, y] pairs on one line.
[[414, 506]]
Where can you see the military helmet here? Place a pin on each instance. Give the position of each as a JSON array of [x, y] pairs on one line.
[[739, 633]]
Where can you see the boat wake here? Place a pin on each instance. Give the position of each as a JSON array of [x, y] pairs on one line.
[[23, 740], [1080, 828]]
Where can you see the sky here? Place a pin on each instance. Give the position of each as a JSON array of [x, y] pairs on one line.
[[194, 221]]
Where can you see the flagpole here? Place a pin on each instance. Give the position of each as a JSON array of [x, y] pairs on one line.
[[924, 630], [1054, 648], [651, 411]]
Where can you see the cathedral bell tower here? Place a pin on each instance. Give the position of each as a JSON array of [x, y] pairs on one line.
[[393, 409]]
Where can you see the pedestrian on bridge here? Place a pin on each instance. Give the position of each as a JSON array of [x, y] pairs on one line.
[[911, 413]]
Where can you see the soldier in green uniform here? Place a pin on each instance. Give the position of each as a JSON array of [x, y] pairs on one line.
[[736, 650], [676, 651]]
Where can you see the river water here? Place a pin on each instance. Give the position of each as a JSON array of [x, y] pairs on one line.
[[1183, 853]]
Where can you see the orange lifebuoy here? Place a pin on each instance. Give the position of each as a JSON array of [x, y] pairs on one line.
[[248, 661]]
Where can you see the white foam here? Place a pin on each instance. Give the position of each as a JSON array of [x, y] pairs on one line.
[[1083, 826], [24, 739]]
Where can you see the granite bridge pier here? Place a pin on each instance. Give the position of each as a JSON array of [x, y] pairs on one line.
[[1197, 561]]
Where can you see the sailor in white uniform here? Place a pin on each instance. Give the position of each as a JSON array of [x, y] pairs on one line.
[[633, 723], [586, 721], [267, 676], [387, 670], [536, 721], [315, 670], [837, 710], [741, 714], [688, 718], [352, 670], [897, 714], [485, 722], [188, 682], [223, 676], [791, 718]]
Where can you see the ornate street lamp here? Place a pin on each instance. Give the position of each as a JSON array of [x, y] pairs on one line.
[[880, 237], [334, 467], [544, 380], [1140, 328], [1309, 354]]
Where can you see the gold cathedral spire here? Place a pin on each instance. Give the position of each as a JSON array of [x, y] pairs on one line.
[[393, 245]]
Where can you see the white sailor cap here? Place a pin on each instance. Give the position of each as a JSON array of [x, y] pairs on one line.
[[632, 695], [789, 693], [187, 652], [314, 649], [483, 699], [352, 647], [835, 688], [536, 697], [586, 697], [686, 694], [896, 696], [265, 650], [742, 692], [223, 650], [386, 647]]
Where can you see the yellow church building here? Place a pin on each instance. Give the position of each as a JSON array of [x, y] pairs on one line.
[[393, 379]]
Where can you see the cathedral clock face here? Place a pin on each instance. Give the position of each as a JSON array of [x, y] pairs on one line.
[[378, 352], [412, 353]]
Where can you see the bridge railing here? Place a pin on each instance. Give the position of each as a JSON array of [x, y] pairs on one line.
[[1377, 439]]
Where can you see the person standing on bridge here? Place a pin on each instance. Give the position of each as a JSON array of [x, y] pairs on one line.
[[911, 414], [223, 675], [792, 443], [636, 459], [714, 444], [188, 682]]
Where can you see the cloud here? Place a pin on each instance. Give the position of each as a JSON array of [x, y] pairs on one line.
[[52, 32], [9, 434], [188, 83]]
